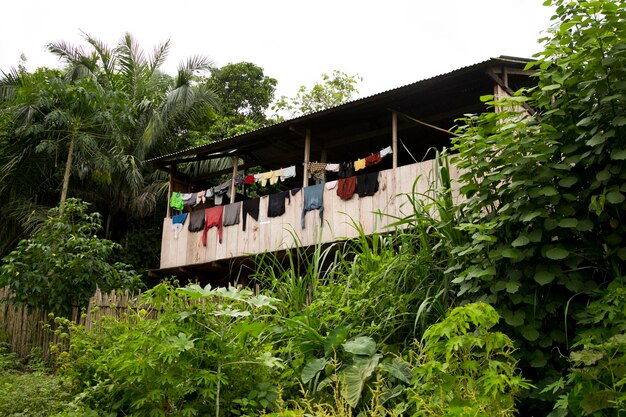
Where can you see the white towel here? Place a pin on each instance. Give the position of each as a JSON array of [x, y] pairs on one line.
[[386, 151], [289, 172], [330, 185]]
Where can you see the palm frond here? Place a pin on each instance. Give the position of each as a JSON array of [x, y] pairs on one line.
[[79, 64], [192, 66], [158, 57], [105, 56], [131, 62], [9, 83]]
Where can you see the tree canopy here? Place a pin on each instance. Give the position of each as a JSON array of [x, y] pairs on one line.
[[334, 89]]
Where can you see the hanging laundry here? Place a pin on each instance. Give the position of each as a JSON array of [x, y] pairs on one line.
[[331, 184], [346, 187], [176, 201], [313, 200], [317, 170], [189, 199], [231, 214], [239, 180], [196, 221], [250, 207], [289, 172], [209, 193], [249, 179], [223, 187], [259, 177], [386, 151], [373, 159], [267, 176], [177, 223], [295, 191], [332, 167], [213, 218], [222, 198], [276, 204], [200, 198], [367, 184], [346, 169], [278, 174], [359, 164]]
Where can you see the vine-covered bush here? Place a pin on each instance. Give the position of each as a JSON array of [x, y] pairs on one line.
[[546, 193]]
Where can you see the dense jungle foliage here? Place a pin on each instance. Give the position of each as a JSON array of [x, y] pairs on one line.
[[509, 301]]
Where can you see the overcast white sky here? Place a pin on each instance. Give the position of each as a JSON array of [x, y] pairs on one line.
[[389, 43]]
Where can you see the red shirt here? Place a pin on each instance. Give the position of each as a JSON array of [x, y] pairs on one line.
[[212, 217]]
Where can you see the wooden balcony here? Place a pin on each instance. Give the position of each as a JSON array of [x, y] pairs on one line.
[[280, 233]]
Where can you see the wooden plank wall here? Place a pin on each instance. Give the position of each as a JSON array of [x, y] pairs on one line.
[[272, 234]]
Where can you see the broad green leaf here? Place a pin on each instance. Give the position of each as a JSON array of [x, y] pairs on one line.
[[568, 181], [335, 338], [355, 376], [399, 368], [584, 225], [544, 277], [530, 333], [231, 312], [512, 286], [551, 87], [530, 216], [312, 368], [618, 154], [603, 175], [587, 356], [520, 241], [615, 197], [597, 139], [557, 253], [261, 300], [568, 223], [270, 361], [619, 121], [549, 191], [511, 253], [514, 318], [361, 345]]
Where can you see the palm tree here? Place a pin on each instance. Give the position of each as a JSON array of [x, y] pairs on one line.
[[57, 116], [159, 109], [106, 112]]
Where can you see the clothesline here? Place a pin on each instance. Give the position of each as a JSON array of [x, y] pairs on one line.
[[346, 169], [315, 169]]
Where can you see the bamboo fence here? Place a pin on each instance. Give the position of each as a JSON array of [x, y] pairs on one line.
[[31, 331]]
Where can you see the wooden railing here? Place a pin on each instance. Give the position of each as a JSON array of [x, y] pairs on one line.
[[373, 214]]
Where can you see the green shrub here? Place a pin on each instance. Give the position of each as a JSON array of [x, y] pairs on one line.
[[463, 369], [187, 351], [61, 265]]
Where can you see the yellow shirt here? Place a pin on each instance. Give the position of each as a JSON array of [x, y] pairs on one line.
[[359, 164]]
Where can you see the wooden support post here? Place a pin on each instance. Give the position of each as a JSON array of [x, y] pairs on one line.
[[324, 158], [170, 189], [307, 157], [233, 189], [394, 139]]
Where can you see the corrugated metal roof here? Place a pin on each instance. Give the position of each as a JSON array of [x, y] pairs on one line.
[[208, 149]]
